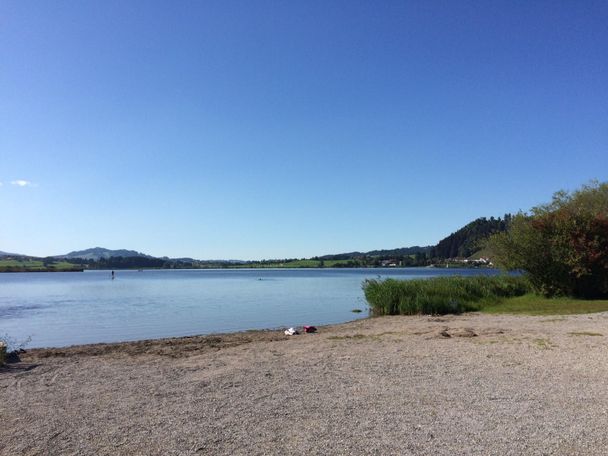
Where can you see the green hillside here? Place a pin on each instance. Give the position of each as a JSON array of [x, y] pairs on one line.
[[12, 264]]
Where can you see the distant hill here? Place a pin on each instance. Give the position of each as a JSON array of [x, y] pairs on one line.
[[468, 240], [98, 253], [464, 243], [402, 251], [3, 254]]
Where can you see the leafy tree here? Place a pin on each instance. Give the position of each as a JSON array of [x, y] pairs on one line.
[[562, 245]]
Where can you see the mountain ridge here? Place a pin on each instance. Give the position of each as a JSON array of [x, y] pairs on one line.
[[9, 254], [461, 243], [96, 253]]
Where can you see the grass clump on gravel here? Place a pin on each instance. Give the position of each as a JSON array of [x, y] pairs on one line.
[[441, 295]]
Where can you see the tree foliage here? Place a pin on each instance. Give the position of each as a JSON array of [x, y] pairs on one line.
[[562, 245]]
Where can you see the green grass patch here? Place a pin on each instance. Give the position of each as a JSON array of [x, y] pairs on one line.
[[362, 336], [281, 264], [532, 304], [22, 264], [13, 265], [301, 264], [354, 336], [63, 266], [336, 263], [543, 344], [441, 295], [493, 295], [296, 264]]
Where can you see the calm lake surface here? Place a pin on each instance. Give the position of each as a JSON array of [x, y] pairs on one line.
[[59, 309]]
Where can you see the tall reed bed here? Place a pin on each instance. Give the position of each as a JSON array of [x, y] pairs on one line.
[[440, 295]]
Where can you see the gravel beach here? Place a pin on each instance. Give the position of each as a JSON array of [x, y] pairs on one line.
[[456, 385]]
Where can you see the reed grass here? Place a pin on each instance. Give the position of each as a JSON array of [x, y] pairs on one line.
[[441, 295]]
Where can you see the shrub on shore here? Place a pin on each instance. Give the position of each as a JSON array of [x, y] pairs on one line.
[[10, 348], [2, 352], [440, 295], [562, 246]]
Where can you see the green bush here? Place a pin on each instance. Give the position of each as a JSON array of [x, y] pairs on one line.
[[440, 295], [562, 246], [2, 352], [9, 345]]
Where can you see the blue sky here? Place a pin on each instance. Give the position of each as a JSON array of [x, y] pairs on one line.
[[272, 129]]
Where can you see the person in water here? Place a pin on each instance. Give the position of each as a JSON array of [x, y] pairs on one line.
[[112, 275]]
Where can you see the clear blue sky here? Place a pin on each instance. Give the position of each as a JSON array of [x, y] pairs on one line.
[[272, 129]]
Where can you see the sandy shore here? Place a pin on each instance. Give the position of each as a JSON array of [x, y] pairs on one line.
[[465, 385]]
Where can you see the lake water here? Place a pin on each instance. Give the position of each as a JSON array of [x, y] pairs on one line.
[[59, 309]]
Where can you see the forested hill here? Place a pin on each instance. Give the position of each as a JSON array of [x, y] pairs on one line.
[[403, 251], [467, 240]]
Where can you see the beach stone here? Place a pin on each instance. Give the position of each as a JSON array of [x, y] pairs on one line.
[[464, 332]]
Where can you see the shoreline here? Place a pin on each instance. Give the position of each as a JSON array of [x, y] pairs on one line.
[[212, 339], [472, 384], [171, 346], [166, 346], [258, 268]]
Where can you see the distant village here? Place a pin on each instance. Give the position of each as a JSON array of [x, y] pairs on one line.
[[457, 262]]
